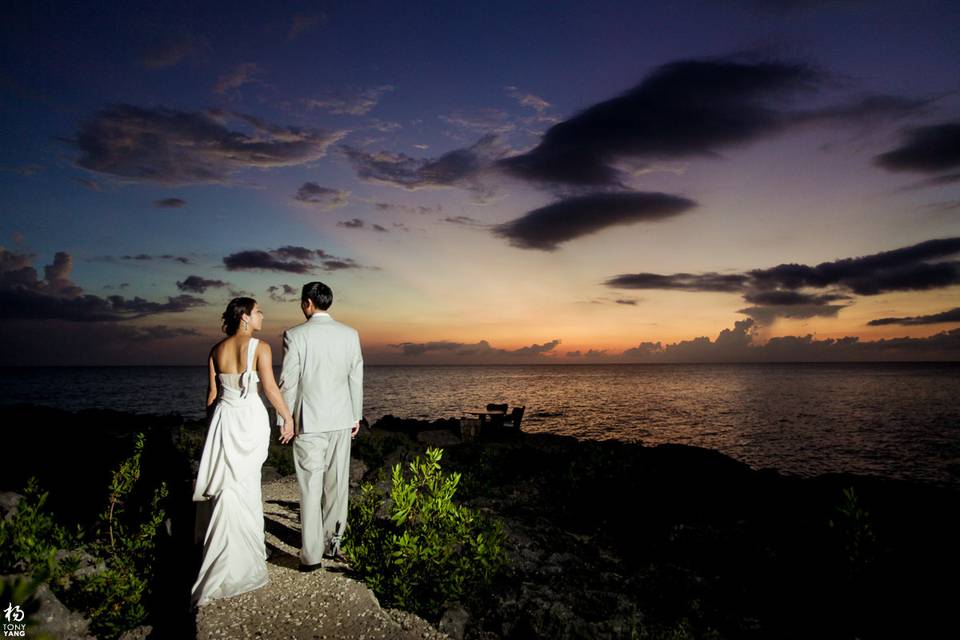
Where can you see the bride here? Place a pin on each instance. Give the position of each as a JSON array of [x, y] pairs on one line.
[[238, 436]]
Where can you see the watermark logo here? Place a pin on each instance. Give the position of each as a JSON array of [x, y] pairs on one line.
[[13, 613], [14, 627]]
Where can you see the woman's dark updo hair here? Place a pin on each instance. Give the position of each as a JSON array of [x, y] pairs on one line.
[[233, 316]]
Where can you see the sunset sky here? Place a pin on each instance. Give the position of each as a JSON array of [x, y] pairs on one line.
[[484, 182]]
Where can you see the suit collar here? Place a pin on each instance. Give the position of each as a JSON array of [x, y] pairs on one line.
[[320, 316]]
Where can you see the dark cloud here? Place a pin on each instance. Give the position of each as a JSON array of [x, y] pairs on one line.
[[737, 345], [778, 291], [785, 298], [24, 296], [479, 351], [283, 293], [953, 315], [354, 101], [170, 203], [935, 181], [767, 314], [686, 109], [627, 301], [592, 354], [322, 197], [420, 209], [380, 228], [465, 221], [62, 342], [462, 168], [289, 259], [169, 146], [779, 303], [545, 228], [197, 284], [264, 260], [733, 283], [299, 253], [926, 150], [906, 269], [144, 257], [356, 223]]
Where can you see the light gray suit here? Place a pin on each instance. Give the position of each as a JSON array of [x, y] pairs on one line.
[[322, 383]]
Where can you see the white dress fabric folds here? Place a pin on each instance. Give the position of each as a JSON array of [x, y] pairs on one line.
[[238, 438]]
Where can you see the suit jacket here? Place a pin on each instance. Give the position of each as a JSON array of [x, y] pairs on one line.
[[322, 377]]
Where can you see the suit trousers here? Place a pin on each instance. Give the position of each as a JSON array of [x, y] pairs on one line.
[[322, 461]]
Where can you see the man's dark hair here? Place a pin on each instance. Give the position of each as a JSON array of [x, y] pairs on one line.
[[319, 293]]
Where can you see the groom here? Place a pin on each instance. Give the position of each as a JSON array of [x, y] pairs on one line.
[[322, 383]]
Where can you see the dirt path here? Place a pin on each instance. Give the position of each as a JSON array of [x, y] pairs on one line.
[[321, 604]]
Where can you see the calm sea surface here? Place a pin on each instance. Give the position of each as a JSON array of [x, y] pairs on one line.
[[899, 420]]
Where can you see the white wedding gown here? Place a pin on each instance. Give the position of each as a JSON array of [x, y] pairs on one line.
[[238, 437]]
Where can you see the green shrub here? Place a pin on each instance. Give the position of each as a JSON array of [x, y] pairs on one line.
[[121, 552], [31, 539], [852, 522], [417, 549], [280, 457]]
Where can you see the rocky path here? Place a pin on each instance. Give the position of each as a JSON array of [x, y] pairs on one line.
[[321, 604]]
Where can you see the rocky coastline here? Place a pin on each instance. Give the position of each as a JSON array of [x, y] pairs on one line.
[[605, 539]]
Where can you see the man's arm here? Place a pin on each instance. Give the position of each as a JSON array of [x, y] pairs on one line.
[[290, 374], [356, 382]]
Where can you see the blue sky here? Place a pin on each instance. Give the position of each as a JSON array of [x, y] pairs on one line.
[[484, 182]]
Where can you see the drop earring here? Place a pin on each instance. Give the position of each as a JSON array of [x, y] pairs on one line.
[[245, 325]]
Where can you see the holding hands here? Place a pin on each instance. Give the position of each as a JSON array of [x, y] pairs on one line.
[[286, 431]]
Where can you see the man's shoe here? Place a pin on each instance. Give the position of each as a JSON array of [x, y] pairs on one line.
[[307, 568]]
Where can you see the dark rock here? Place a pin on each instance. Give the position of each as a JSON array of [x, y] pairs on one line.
[[438, 438], [56, 620], [138, 633], [454, 622], [8, 504], [358, 469]]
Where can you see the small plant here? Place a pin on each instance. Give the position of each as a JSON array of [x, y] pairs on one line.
[[122, 551], [416, 548], [853, 524], [31, 540], [114, 597]]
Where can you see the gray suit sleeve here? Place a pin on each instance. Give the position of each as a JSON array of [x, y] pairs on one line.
[[356, 381], [289, 375]]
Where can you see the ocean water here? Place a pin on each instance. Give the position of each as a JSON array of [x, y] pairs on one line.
[[891, 419]]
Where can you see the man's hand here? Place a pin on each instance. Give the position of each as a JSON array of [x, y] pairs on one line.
[[355, 430], [286, 431]]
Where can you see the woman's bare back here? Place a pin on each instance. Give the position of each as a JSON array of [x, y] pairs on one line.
[[230, 354]]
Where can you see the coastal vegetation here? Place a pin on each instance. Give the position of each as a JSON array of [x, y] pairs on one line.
[[596, 539], [415, 547], [106, 573]]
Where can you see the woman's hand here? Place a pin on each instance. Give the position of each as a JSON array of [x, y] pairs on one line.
[[286, 431]]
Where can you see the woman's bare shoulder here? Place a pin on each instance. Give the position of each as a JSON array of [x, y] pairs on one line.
[[217, 349]]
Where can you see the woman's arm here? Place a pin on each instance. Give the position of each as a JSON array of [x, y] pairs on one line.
[[272, 391], [211, 382]]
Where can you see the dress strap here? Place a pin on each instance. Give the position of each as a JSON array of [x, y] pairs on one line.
[[246, 380], [251, 353]]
